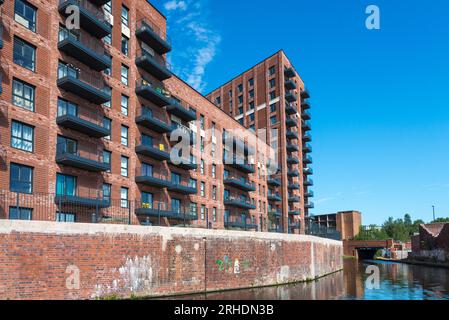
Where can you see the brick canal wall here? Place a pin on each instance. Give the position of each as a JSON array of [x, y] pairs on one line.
[[47, 260]]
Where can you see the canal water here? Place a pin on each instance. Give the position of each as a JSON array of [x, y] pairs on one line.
[[396, 282]]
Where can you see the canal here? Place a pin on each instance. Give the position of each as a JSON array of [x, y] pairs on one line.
[[396, 282]]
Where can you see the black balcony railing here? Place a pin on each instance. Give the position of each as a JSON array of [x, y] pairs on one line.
[[152, 179], [239, 183], [153, 36], [291, 109], [274, 182], [92, 18], [239, 203], [155, 65], [83, 120], [305, 94], [154, 92], [274, 196], [69, 154], [181, 109], [147, 118], [152, 151], [182, 187], [289, 72]]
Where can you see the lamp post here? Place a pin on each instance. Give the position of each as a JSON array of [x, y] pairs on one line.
[[433, 209]]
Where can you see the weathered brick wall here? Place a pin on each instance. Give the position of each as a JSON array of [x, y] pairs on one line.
[[41, 260]]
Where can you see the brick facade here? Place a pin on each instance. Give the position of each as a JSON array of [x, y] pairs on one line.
[[107, 260], [90, 184]]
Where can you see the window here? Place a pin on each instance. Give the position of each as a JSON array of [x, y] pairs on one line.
[[107, 192], [214, 192], [125, 16], [107, 124], [147, 200], [25, 14], [273, 120], [202, 144], [193, 183], [124, 197], [203, 189], [108, 39], [107, 7], [251, 117], [16, 213], [107, 90], [251, 94], [227, 194], [21, 178], [251, 105], [65, 70], [240, 99], [146, 170], [273, 107], [66, 145], [124, 74], [124, 135], [147, 140], [108, 71], [272, 95], [193, 208], [65, 185], [240, 88], [203, 212], [107, 158], [23, 95], [124, 166], [218, 100], [241, 121], [214, 214], [65, 217], [202, 167], [272, 70], [176, 178], [124, 105], [251, 82], [214, 171], [202, 122], [22, 136], [67, 108], [176, 205], [272, 83], [24, 54], [213, 149], [125, 45]]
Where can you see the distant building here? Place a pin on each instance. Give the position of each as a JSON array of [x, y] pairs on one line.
[[343, 225], [432, 243]]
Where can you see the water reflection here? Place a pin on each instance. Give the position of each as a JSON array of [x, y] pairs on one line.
[[397, 282]]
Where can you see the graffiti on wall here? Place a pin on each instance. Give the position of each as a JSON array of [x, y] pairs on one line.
[[229, 265]]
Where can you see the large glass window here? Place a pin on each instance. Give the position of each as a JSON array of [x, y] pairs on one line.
[[67, 108], [65, 70], [203, 212], [124, 136], [22, 136], [124, 105], [65, 217], [65, 185], [107, 124], [124, 166], [107, 191], [23, 95], [124, 197], [176, 178], [176, 205], [125, 45], [147, 140], [125, 16], [124, 75], [25, 14], [147, 170], [24, 54], [21, 178], [66, 145], [107, 157], [16, 213], [147, 200]]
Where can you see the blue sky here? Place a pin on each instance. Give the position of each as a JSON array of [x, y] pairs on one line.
[[380, 98]]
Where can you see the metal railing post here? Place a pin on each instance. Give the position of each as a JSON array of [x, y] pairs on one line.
[[207, 218], [159, 214], [129, 212]]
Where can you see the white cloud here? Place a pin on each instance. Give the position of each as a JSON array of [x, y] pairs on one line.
[[174, 5], [196, 40]]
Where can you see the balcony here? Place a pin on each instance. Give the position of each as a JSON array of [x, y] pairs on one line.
[[309, 194], [293, 173], [305, 115], [67, 155], [84, 122], [291, 122], [290, 84], [245, 225], [295, 212], [294, 186], [154, 211], [274, 182], [307, 137], [305, 94], [274, 197], [239, 163], [184, 163], [294, 199], [152, 152], [292, 147], [94, 59], [239, 203], [156, 38], [183, 112], [310, 205], [293, 160], [294, 225], [239, 183], [307, 148], [153, 92], [292, 135], [147, 119], [289, 72], [305, 105], [82, 199], [306, 126], [84, 89], [153, 180], [93, 21], [308, 182], [291, 97], [308, 160], [308, 171], [155, 65], [291, 110], [182, 188], [239, 144]]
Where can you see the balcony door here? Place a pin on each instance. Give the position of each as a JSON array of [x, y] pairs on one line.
[[65, 185]]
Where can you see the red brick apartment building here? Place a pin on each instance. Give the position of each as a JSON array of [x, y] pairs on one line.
[[272, 96], [86, 116]]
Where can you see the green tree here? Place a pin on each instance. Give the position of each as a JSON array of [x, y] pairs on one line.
[[441, 220]]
